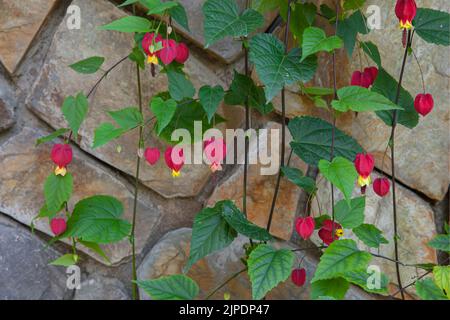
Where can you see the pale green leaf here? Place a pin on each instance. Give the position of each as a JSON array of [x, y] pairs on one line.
[[350, 216], [360, 99], [341, 173], [52, 136], [75, 110], [173, 287], [57, 190], [66, 260], [163, 111], [129, 24], [428, 290], [315, 40]]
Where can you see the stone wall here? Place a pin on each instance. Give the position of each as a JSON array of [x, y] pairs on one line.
[[34, 79]]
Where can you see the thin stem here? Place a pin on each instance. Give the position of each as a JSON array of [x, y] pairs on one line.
[[104, 76], [283, 124], [225, 283], [392, 143], [420, 69], [247, 138]]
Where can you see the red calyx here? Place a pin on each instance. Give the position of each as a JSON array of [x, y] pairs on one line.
[[364, 164], [406, 11], [305, 227], [298, 277], [168, 52], [62, 155], [326, 232], [58, 226], [366, 78], [381, 186], [424, 104], [174, 157], [152, 155], [182, 53]]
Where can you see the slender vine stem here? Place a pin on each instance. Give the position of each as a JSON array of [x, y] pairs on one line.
[[283, 124], [235, 275], [247, 127], [392, 144]]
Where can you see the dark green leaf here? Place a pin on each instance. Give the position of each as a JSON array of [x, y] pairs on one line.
[[128, 118], [159, 7], [349, 28], [360, 99], [372, 51], [89, 65], [163, 111], [174, 287], [75, 110], [267, 267], [303, 16], [129, 24], [336, 288], [433, 26], [210, 98], [222, 19], [320, 219], [57, 191], [178, 13], [370, 235], [350, 216], [138, 56], [96, 248], [97, 219], [180, 86], [428, 290], [105, 133], [441, 242], [341, 173], [312, 140], [361, 278], [353, 4], [52, 136], [296, 176]]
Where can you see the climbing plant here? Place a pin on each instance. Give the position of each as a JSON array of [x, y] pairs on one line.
[[340, 159]]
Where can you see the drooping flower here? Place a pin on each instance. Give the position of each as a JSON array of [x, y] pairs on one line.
[[174, 157], [366, 78], [381, 186], [215, 151], [149, 45], [58, 226], [152, 155], [406, 10], [168, 53], [61, 155], [364, 164], [330, 231], [424, 104], [373, 71], [182, 53], [305, 227], [298, 277]]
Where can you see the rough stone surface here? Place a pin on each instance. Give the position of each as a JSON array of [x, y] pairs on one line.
[[20, 21], [171, 253], [261, 188], [6, 116], [97, 287], [25, 273], [119, 90], [7, 104], [27, 167], [416, 227]]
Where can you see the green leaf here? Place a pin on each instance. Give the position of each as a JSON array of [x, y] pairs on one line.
[[127, 118], [341, 173], [267, 267], [303, 16], [210, 98], [341, 257], [336, 288], [210, 233], [350, 216], [186, 114], [88, 66], [244, 89], [361, 278], [128, 2], [174, 287], [236, 219], [433, 26], [52, 136], [97, 249], [159, 7], [57, 190], [178, 13], [105, 133], [442, 278], [180, 86], [441, 242], [370, 235], [97, 219], [222, 19], [277, 69], [315, 40], [349, 28], [75, 110], [360, 99], [296, 176], [129, 24], [426, 289], [163, 111], [372, 51], [263, 6], [386, 85], [353, 4], [318, 91], [320, 219], [312, 138], [66, 260], [138, 56]]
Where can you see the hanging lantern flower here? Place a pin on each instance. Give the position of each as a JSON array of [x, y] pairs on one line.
[[305, 227], [406, 11], [149, 45], [58, 226], [168, 53], [424, 104], [364, 164], [215, 151], [152, 155], [381, 186], [182, 53], [298, 277], [174, 157], [61, 155], [330, 231]]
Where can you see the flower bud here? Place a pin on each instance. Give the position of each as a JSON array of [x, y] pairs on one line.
[[152, 155], [58, 226], [305, 227], [424, 104], [381, 186], [182, 53], [62, 155], [298, 277]]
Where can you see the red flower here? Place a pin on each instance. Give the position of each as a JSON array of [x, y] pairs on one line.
[[148, 44], [168, 53], [152, 155], [381, 186], [182, 53], [326, 232], [424, 104], [62, 155], [364, 164], [58, 226], [298, 277], [406, 10], [174, 157], [305, 227], [364, 79], [373, 71], [215, 151]]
